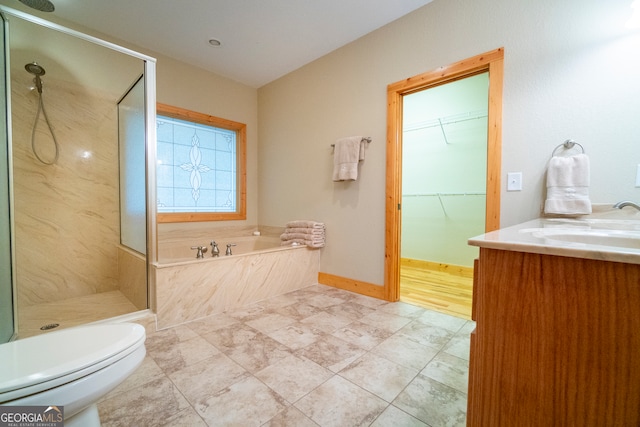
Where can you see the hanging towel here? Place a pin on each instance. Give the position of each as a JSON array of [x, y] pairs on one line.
[[346, 155], [568, 186]]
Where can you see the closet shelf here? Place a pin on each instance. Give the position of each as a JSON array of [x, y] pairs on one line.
[[441, 122], [441, 195], [444, 194], [448, 120]]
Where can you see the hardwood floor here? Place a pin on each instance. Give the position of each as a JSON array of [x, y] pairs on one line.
[[441, 287]]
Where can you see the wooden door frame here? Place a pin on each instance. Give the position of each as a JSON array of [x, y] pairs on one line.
[[493, 62]]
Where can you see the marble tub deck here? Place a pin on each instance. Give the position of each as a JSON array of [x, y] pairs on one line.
[[318, 356]]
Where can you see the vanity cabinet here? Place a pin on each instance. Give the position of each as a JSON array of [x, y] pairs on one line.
[[557, 341]]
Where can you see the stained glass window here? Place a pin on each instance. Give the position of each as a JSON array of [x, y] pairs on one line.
[[197, 167]]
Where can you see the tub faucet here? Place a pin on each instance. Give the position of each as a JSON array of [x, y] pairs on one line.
[[625, 203], [201, 251], [228, 252], [214, 249]]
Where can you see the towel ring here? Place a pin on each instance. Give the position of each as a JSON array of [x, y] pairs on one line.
[[567, 145]]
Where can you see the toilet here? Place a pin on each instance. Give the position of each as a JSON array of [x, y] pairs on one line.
[[72, 367]]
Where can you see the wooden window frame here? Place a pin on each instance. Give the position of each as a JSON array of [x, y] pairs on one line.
[[241, 166]]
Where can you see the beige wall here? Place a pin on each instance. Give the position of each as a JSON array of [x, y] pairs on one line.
[[570, 72]]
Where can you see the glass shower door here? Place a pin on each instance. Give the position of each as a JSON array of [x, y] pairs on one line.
[[6, 276], [132, 142]]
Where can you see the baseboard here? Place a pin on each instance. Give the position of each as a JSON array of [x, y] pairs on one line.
[[363, 288], [457, 270]]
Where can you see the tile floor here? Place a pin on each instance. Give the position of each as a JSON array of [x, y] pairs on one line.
[[318, 356]]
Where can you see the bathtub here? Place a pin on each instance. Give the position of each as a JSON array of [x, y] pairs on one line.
[[188, 288]]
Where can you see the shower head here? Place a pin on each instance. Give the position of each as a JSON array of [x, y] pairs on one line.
[[41, 5], [35, 69]]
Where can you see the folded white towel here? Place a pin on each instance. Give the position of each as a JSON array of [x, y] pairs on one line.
[[314, 231], [568, 186], [304, 232], [309, 243], [306, 236], [305, 224], [346, 155]]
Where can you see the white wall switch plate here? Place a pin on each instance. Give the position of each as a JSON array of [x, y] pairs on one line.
[[638, 176], [514, 181]]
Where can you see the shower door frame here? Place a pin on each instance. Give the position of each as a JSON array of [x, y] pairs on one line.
[[10, 201]]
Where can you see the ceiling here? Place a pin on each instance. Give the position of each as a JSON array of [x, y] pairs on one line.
[[262, 40]]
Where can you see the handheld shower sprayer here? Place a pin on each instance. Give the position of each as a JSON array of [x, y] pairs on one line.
[[37, 71]]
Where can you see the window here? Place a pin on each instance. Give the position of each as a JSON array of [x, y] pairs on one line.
[[201, 167]]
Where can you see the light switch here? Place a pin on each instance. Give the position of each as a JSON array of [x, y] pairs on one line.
[[514, 181], [638, 176]]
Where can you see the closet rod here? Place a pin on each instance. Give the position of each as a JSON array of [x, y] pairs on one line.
[[443, 194], [449, 120]]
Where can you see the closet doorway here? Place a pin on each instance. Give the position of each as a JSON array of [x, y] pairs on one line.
[[443, 185], [444, 169]]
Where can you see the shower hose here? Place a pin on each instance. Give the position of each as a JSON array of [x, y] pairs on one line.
[[33, 132]]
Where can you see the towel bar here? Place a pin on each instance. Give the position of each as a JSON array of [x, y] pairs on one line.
[[368, 139]]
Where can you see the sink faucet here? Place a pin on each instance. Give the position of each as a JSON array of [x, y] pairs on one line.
[[625, 203]]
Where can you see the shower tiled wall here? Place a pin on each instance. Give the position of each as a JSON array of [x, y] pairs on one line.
[[66, 214], [132, 276]]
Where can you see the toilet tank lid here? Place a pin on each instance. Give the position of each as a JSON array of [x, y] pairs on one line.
[[52, 355]]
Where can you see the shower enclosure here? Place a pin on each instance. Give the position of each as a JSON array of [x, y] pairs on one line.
[[77, 162]]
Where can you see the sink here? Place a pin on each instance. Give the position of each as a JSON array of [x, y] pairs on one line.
[[588, 236], [595, 223]]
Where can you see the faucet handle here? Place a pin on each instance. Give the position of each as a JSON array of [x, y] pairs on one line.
[[201, 251], [228, 252]]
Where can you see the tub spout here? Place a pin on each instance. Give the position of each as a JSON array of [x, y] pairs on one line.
[[626, 203], [214, 249]]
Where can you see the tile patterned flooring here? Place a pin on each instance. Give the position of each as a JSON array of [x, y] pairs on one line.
[[318, 356]]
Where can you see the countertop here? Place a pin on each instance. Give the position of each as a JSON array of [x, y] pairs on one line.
[[607, 234]]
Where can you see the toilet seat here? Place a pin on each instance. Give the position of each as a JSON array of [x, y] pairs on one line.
[[35, 364]]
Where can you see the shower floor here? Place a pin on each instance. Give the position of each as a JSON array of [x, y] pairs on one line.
[[72, 312]]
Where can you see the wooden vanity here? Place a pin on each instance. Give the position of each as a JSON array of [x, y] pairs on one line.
[[557, 339]]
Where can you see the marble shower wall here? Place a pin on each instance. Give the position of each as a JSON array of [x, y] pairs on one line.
[[66, 214], [132, 276]]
